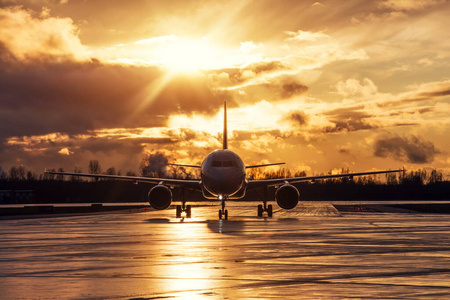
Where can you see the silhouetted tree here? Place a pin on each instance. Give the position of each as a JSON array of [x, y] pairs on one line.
[[131, 173], [94, 167], [76, 178], [31, 176], [49, 176], [3, 174], [59, 176], [111, 171], [391, 179], [414, 178], [17, 173], [435, 176]]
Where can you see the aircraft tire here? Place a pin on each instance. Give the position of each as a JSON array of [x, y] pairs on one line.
[[270, 210], [226, 214], [188, 211], [220, 214], [260, 210], [178, 211]]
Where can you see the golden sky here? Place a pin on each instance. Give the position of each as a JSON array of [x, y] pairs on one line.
[[320, 85]]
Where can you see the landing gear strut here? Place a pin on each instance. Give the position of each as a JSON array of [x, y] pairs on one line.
[[183, 207], [265, 208], [223, 212]]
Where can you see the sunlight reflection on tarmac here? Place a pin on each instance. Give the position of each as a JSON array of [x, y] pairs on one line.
[[311, 252]]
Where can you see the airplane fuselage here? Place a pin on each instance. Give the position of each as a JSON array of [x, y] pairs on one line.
[[223, 175]]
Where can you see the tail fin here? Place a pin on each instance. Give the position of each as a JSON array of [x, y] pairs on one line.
[[225, 133]]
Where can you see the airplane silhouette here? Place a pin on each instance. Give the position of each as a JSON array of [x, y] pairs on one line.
[[223, 177]]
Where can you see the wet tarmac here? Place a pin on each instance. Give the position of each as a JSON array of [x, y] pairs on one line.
[[311, 252]]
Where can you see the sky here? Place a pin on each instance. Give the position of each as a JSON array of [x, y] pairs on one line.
[[320, 85]]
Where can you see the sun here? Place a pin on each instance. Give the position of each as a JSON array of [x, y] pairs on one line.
[[188, 55]]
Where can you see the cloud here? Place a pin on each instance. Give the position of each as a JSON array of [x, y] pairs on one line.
[[409, 5], [430, 91], [348, 119], [352, 87], [410, 148], [155, 164], [299, 117], [344, 150], [27, 35], [65, 151], [306, 36], [291, 88], [71, 97]]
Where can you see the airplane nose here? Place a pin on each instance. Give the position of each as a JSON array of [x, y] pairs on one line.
[[223, 184]]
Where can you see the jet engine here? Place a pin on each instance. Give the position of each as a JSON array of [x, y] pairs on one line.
[[160, 197], [287, 196]]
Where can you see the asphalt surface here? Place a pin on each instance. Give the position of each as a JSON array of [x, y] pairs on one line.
[[311, 252]]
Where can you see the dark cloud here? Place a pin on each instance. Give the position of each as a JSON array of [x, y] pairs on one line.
[[414, 111], [238, 75], [344, 150], [40, 97], [299, 117], [433, 91], [50, 95], [406, 124], [155, 165], [410, 148], [292, 88], [270, 89], [271, 66], [441, 93], [348, 119], [118, 151]]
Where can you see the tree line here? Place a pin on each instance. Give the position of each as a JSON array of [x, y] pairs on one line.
[[146, 169], [409, 185]]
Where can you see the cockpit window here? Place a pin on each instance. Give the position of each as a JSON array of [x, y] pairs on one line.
[[228, 163], [216, 163]]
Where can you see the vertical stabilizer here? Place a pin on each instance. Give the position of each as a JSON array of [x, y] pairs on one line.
[[225, 133]]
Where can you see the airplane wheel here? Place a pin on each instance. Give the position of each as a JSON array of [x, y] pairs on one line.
[[178, 211], [226, 214], [220, 214], [269, 210], [188, 211], [260, 210]]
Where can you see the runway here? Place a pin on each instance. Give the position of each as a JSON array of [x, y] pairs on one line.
[[311, 252]]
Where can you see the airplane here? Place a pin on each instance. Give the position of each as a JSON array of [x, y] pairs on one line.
[[223, 177]]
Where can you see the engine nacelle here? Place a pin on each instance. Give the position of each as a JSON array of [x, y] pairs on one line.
[[287, 196], [160, 197]]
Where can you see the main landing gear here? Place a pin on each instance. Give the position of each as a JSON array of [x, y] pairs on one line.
[[183, 208], [266, 208]]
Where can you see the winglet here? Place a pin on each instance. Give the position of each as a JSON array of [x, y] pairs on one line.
[[225, 133]]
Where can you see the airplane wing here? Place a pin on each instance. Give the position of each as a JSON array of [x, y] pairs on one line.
[[264, 165], [252, 184], [193, 184]]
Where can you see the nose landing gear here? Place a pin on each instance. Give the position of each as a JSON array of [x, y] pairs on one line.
[[223, 212]]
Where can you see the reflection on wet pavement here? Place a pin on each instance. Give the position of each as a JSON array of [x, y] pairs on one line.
[[310, 252]]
